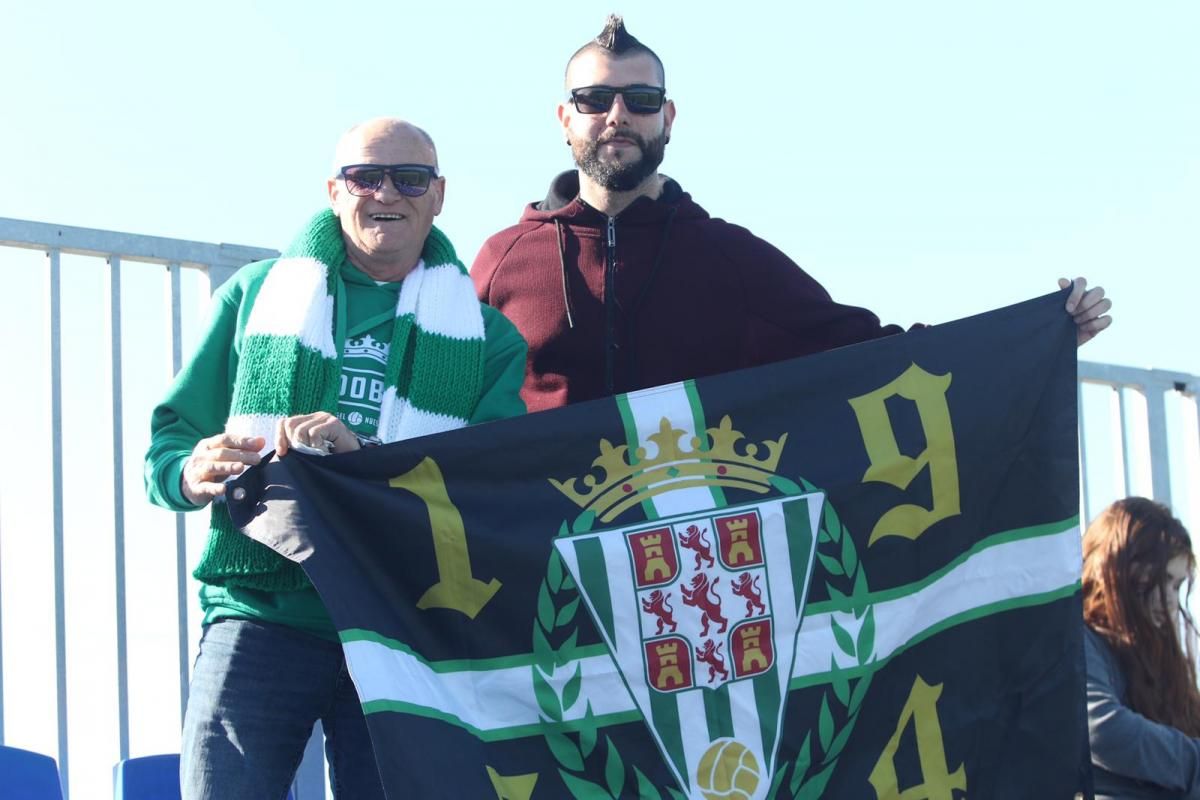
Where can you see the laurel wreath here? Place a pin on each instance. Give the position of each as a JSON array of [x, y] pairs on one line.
[[558, 604], [838, 555]]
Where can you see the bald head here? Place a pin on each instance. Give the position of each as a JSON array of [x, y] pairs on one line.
[[384, 227], [352, 143]]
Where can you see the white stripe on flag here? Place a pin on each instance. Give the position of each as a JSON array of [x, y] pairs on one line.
[[648, 408], [623, 606], [488, 700], [1001, 573], [693, 727], [785, 605], [743, 708]]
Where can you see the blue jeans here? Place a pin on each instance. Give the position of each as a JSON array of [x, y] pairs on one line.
[[257, 690]]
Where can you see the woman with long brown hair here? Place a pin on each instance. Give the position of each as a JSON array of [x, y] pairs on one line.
[[1143, 705]]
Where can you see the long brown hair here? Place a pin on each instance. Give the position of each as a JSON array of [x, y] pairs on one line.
[[1125, 555]]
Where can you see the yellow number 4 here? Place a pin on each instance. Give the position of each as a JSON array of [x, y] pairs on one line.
[[937, 782]]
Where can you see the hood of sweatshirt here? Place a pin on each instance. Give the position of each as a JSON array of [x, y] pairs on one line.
[[563, 204]]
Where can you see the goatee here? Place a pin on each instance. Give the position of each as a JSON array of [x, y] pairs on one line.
[[620, 175]]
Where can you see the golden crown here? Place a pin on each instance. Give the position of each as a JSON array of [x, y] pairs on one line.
[[626, 479]]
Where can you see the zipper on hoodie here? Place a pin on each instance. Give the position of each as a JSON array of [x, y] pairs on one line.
[[611, 345]]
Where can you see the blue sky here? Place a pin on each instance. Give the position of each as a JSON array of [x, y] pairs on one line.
[[928, 160]]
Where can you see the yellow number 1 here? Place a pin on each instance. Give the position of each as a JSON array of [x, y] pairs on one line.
[[456, 587]]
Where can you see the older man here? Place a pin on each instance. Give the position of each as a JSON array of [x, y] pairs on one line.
[[366, 330], [619, 280]]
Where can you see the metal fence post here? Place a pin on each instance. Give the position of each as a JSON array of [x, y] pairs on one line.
[[56, 484]]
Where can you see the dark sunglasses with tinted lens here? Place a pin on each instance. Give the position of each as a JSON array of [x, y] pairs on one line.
[[410, 180], [599, 99]]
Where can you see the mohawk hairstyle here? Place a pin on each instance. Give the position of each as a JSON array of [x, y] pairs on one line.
[[615, 41], [615, 37]]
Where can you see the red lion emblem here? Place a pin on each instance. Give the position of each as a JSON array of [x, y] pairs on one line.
[[743, 587], [704, 597], [711, 654], [693, 539], [657, 605]]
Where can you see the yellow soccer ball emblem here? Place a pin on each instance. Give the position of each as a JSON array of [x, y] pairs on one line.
[[728, 771]]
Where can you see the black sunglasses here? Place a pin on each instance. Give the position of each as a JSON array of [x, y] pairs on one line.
[[410, 180], [599, 99]]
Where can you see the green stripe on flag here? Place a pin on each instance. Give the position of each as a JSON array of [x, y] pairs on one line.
[[664, 722], [693, 397], [767, 702], [799, 536], [499, 734], [718, 714], [594, 574]]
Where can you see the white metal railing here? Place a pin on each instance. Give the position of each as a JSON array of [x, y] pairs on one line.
[[118, 251], [1144, 405], [1127, 418]]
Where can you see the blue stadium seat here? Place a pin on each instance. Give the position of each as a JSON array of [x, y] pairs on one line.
[[149, 778], [28, 776]]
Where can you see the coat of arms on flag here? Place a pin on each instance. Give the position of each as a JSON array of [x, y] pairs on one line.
[[701, 614], [665, 594]]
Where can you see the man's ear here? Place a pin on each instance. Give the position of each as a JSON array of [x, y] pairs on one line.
[[668, 118], [440, 183], [564, 119], [331, 186]]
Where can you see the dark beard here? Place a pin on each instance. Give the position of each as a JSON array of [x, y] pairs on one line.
[[620, 176]]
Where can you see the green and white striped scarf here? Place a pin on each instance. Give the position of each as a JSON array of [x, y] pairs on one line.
[[290, 363]]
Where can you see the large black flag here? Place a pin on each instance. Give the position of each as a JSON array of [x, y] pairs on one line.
[[853, 575]]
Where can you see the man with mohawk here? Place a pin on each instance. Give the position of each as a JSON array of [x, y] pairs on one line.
[[366, 330], [619, 281]]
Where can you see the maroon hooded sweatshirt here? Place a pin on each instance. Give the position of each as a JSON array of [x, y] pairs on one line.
[[660, 293]]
